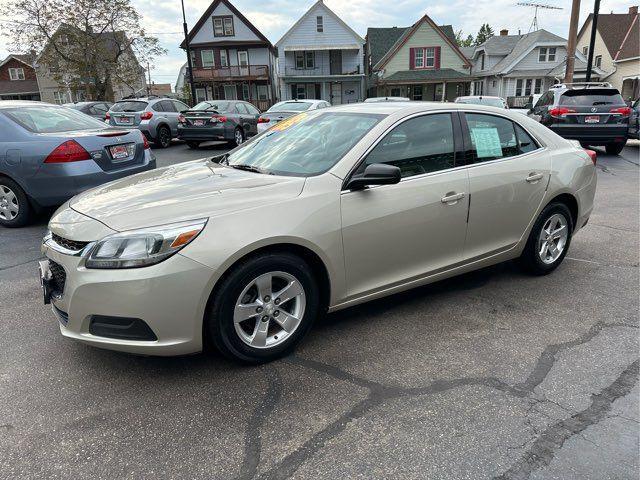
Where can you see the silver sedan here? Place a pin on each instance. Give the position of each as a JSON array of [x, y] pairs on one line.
[[326, 210]]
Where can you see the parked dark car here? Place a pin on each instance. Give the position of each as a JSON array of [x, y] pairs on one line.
[[49, 153], [97, 110], [593, 113], [230, 120], [634, 121]]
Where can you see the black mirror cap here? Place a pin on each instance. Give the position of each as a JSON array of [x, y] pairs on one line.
[[375, 174]]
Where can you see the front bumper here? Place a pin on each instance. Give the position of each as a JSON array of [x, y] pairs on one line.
[[169, 297]]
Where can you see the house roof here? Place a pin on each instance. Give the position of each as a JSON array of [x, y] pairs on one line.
[[25, 58], [381, 40], [448, 31], [425, 75], [8, 87], [209, 11], [500, 44], [612, 27], [330, 12], [468, 51], [408, 32], [630, 47]]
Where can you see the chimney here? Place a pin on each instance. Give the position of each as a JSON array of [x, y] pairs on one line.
[[504, 32], [633, 10]]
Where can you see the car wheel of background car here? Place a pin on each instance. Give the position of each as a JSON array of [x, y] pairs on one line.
[[163, 137], [193, 145], [263, 308], [14, 204], [615, 148], [549, 240], [238, 136]]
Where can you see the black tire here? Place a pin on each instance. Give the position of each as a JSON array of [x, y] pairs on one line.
[[12, 196], [235, 142], [163, 137], [193, 145], [615, 148], [219, 323], [530, 260]]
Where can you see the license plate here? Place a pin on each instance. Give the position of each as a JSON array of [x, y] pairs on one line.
[[592, 119], [45, 280], [198, 123], [128, 120], [120, 152]]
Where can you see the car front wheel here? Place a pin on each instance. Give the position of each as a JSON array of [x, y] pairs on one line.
[[163, 137], [14, 205], [263, 308], [549, 240]]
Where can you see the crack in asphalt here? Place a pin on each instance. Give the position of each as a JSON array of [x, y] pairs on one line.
[[380, 393], [541, 453]]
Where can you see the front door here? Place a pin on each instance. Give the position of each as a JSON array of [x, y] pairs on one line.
[[508, 177], [335, 62], [396, 233], [336, 93], [243, 62]]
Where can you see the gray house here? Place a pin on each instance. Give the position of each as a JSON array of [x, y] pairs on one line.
[[321, 57], [518, 66]]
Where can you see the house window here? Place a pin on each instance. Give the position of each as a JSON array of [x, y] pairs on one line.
[[299, 60], [598, 61], [493, 83], [223, 26], [300, 91], [482, 61], [60, 97], [224, 59], [585, 50], [310, 59], [319, 24], [245, 91], [16, 73], [243, 58], [547, 54], [193, 58], [263, 92], [430, 56], [478, 87], [395, 92], [216, 92], [201, 95], [527, 86], [417, 92], [424, 57], [551, 57], [537, 88], [207, 58], [419, 58]]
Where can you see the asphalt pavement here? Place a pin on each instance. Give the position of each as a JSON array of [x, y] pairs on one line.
[[494, 374]]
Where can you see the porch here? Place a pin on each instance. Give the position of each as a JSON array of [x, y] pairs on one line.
[[337, 91], [258, 93], [442, 85]]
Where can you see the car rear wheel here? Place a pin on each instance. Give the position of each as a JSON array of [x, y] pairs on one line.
[[549, 240], [163, 137], [15, 210], [615, 148], [193, 145], [238, 136], [263, 308]]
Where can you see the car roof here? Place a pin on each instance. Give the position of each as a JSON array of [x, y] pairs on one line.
[[389, 108], [481, 96], [301, 100], [25, 103]]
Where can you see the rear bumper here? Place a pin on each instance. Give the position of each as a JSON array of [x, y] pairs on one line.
[[54, 184], [592, 134], [204, 134]]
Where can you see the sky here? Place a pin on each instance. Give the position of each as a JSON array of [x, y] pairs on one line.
[[163, 18]]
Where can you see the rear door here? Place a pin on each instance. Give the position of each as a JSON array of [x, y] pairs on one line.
[[508, 177], [171, 115], [252, 114]]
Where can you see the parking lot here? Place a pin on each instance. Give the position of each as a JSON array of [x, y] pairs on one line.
[[494, 374]]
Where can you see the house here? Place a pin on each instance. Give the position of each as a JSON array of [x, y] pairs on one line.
[[160, 89], [515, 67], [616, 49], [18, 78], [231, 58], [422, 62], [321, 57]]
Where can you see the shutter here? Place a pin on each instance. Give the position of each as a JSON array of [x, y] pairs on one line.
[[412, 58], [437, 58]]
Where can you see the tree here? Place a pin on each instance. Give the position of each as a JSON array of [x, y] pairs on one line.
[[467, 42], [484, 33], [87, 45]]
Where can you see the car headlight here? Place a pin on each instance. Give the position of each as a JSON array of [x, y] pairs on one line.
[[144, 247]]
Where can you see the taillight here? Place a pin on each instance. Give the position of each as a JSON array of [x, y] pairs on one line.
[[218, 118], [561, 112], [107, 116], [181, 119], [263, 120], [592, 154], [624, 111], [146, 115], [145, 142], [69, 151]]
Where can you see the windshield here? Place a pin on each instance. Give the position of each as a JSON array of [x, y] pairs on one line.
[[492, 102], [129, 107], [591, 98], [307, 144], [290, 107], [52, 119], [213, 106]]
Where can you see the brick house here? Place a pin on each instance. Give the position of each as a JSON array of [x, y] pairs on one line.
[[18, 78]]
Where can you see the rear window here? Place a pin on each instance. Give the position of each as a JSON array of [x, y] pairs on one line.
[[52, 119], [219, 107], [290, 107], [591, 98], [129, 107], [492, 102]]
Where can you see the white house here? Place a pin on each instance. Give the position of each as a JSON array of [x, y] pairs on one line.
[[321, 57]]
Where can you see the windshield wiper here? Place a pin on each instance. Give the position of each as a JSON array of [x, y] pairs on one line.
[[249, 168], [220, 158]]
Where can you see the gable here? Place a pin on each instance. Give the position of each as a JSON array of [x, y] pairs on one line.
[[380, 41]]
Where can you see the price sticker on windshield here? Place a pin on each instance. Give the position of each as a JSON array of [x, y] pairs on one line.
[[288, 122]]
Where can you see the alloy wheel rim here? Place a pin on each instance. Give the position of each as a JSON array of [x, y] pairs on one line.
[[553, 238], [9, 207], [239, 137], [164, 138], [269, 310]]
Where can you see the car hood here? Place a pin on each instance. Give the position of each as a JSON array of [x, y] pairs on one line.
[[181, 192]]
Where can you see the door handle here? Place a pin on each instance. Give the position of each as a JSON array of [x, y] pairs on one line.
[[451, 198], [534, 177]]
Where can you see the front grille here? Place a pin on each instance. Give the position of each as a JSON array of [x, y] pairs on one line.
[[68, 244], [58, 277]]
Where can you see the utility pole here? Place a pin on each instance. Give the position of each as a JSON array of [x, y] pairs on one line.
[[573, 39], [592, 40], [189, 62], [149, 80]]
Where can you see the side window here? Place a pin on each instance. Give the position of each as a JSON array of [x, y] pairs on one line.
[[100, 108], [158, 107], [167, 106], [491, 138], [179, 106], [525, 142], [251, 109], [241, 109], [419, 145]]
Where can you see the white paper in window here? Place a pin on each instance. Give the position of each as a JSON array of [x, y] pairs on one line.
[[487, 142]]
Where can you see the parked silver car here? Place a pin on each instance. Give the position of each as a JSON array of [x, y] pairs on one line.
[[156, 118], [327, 209], [97, 110], [286, 109], [50, 153]]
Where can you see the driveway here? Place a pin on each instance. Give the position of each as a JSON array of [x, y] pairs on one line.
[[490, 375]]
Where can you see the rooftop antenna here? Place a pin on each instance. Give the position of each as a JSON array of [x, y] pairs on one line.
[[534, 24]]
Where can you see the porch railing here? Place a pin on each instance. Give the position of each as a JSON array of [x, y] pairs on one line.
[[257, 72], [319, 70]]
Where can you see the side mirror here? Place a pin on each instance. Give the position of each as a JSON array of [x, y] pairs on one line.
[[375, 174]]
